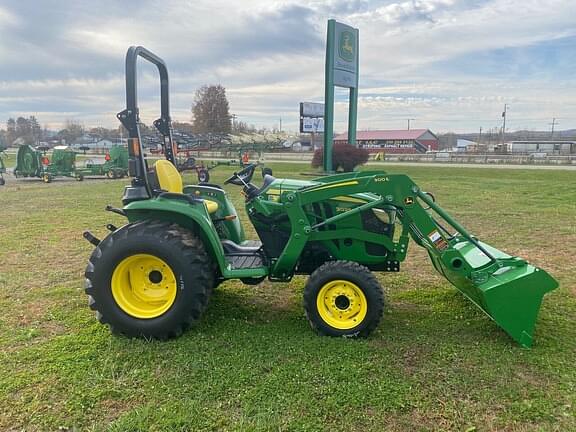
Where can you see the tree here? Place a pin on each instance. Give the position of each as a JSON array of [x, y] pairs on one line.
[[240, 127], [182, 127], [72, 131], [23, 129], [10, 131], [344, 156], [211, 110], [35, 129], [102, 132]]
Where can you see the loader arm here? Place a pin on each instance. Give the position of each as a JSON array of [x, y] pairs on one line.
[[506, 288]]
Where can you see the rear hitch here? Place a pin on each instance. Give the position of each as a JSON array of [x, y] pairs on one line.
[[90, 237]]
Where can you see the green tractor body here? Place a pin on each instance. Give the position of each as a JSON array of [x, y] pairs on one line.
[[153, 276]]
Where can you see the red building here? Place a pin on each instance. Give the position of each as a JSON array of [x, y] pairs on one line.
[[394, 141]]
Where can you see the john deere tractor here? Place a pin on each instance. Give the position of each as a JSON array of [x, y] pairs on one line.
[[153, 276]]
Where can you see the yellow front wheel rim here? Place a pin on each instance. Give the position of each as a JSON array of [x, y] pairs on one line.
[[341, 304], [144, 286]]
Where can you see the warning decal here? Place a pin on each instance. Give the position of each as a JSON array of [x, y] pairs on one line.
[[438, 240]]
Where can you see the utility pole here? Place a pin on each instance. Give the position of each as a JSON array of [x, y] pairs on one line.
[[280, 128], [409, 122], [480, 135], [554, 123], [504, 122]]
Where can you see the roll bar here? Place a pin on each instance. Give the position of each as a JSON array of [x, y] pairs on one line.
[[130, 118]]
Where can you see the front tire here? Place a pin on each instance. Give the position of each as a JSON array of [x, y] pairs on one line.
[[343, 298], [149, 279]]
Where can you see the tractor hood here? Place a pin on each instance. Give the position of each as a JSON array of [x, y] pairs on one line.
[[278, 186]]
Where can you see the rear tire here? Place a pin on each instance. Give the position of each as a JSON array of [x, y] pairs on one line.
[[343, 298], [2, 181], [126, 290]]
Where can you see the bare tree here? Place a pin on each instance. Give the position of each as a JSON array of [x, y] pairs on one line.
[[72, 131], [211, 110]]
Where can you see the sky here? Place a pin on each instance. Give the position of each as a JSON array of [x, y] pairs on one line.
[[448, 65]]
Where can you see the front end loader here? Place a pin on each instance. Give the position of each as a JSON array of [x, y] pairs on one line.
[[153, 276]]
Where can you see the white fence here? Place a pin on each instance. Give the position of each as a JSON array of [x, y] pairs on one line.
[[439, 157]]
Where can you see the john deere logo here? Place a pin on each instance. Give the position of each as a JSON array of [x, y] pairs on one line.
[[346, 46]]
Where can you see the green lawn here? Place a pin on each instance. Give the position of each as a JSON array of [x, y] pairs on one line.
[[253, 363]]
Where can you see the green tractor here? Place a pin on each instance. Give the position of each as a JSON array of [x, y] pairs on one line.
[[2, 168], [153, 276], [31, 162], [2, 171], [115, 165]]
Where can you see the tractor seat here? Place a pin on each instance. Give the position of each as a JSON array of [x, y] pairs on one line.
[[170, 180]]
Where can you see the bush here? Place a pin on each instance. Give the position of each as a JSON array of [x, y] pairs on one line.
[[345, 157]]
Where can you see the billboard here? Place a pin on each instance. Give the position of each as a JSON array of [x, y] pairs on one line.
[[311, 117], [311, 109], [311, 125]]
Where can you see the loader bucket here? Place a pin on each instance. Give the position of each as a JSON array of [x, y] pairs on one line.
[[508, 289]]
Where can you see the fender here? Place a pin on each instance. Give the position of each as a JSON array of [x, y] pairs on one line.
[[193, 217]]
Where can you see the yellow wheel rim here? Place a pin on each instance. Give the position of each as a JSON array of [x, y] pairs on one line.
[[144, 286], [342, 304]]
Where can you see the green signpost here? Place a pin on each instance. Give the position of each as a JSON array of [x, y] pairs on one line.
[[341, 71]]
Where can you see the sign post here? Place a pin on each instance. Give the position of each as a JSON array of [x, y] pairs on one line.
[[342, 71]]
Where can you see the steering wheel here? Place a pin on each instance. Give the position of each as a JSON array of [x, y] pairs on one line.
[[241, 177]]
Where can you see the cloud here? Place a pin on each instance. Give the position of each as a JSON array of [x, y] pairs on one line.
[[433, 60]]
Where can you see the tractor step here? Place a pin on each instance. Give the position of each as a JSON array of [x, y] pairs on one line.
[[248, 255], [245, 261]]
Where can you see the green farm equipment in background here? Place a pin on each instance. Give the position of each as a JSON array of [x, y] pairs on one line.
[[115, 165], [2, 168], [202, 169], [31, 162], [153, 276]]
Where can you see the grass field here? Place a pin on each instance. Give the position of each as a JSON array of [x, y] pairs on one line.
[[253, 363]]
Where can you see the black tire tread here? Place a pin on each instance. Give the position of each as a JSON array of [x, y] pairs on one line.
[[177, 237], [369, 283]]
